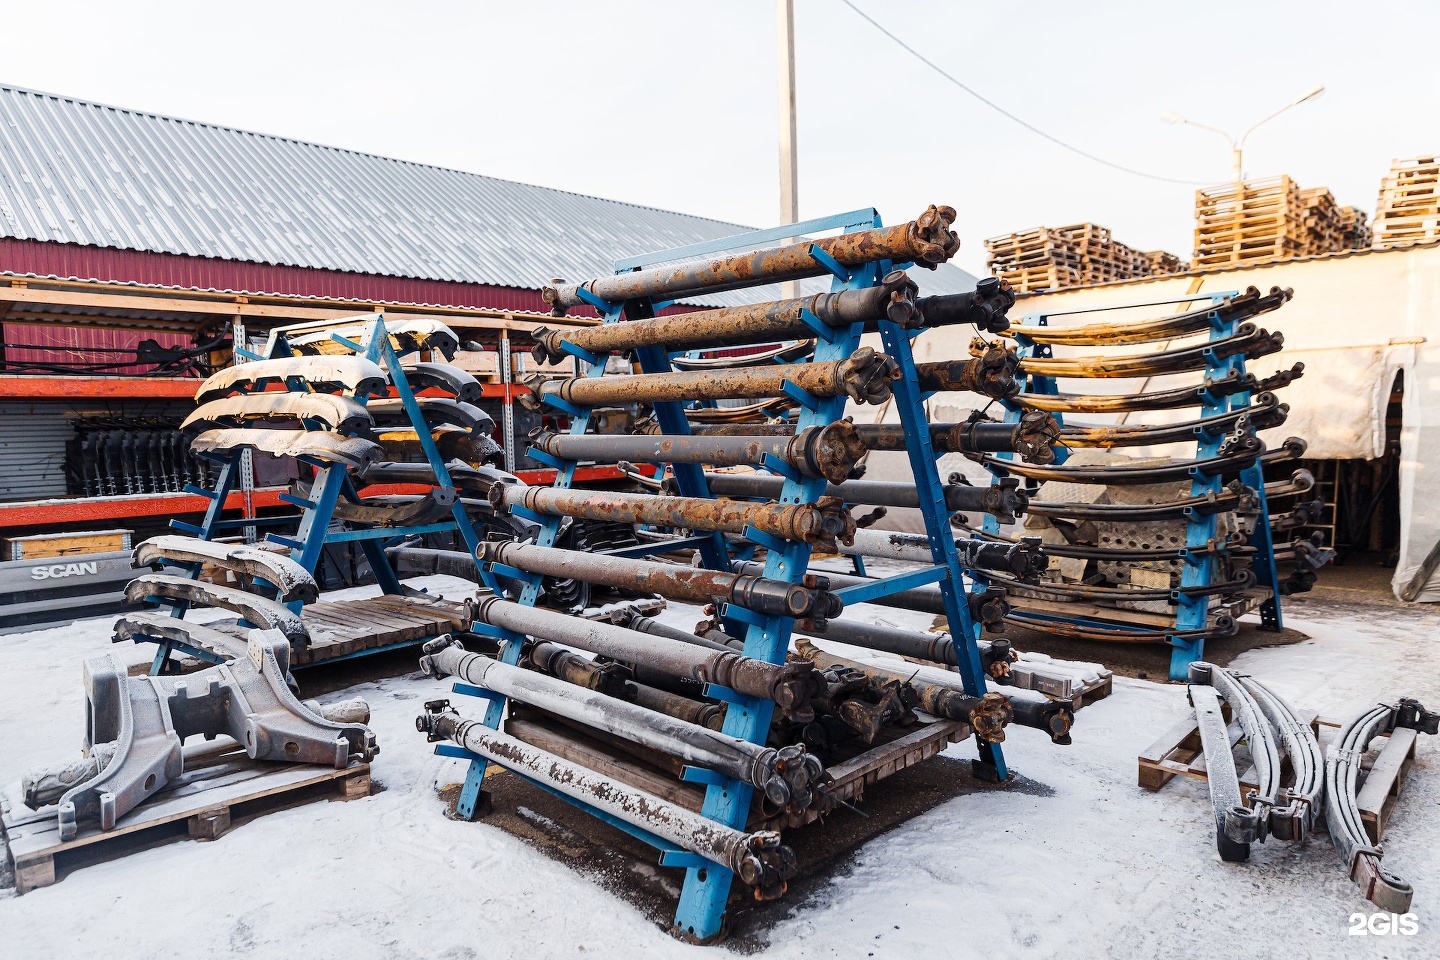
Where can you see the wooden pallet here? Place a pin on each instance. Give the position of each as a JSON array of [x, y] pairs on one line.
[[220, 784], [45, 546], [344, 627], [1388, 765]]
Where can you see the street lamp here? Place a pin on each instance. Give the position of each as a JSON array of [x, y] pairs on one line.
[[1237, 144]]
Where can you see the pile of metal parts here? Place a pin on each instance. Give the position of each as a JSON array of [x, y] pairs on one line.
[[1172, 547], [136, 728], [1282, 747], [761, 739], [119, 456]]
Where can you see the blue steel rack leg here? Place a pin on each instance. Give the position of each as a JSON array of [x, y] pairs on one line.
[[963, 628]]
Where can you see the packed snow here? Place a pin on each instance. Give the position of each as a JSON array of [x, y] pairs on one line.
[[1091, 866]]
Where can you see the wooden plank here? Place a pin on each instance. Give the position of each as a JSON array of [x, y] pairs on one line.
[[1382, 786]]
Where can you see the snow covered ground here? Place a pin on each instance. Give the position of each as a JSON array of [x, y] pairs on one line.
[[1094, 866]]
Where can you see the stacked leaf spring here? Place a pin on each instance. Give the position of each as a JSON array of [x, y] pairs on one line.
[[1171, 549], [609, 716]]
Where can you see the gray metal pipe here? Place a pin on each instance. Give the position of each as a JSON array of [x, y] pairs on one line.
[[786, 778], [926, 241], [830, 451], [1025, 560], [695, 584], [1004, 500], [757, 858], [789, 685]]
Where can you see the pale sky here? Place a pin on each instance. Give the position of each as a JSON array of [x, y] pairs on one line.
[[674, 104]]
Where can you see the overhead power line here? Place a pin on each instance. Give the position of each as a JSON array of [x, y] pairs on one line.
[[1001, 110]]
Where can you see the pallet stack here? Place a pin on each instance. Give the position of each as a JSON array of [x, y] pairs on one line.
[[1163, 263], [1324, 229], [1249, 221], [1051, 258], [1356, 229], [1408, 210]]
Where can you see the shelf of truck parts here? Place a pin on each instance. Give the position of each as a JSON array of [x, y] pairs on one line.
[[118, 388], [32, 513]]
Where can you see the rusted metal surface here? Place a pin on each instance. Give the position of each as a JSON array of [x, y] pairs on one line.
[[472, 447], [1005, 499], [1032, 436], [700, 712], [993, 370], [398, 511], [988, 714], [821, 523], [927, 241], [864, 377], [831, 451], [1235, 497], [1104, 334], [405, 336], [790, 685], [801, 351], [1248, 341], [638, 621], [1174, 398], [355, 375], [1264, 412], [603, 676], [739, 326], [1239, 450], [435, 410], [747, 413], [673, 581], [292, 580], [787, 777], [339, 414], [354, 452], [757, 858]]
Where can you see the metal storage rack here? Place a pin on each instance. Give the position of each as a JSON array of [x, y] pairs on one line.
[[701, 910], [1200, 562]]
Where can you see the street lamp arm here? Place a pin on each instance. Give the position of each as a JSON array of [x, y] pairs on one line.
[[1228, 138]]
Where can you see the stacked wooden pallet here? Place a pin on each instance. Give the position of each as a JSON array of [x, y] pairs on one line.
[[1324, 228], [1163, 262], [1049, 258], [1249, 221], [1356, 229], [1409, 205]]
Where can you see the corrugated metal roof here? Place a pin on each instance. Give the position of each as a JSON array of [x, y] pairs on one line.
[[73, 171]]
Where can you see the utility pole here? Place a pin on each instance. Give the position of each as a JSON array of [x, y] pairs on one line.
[[789, 196]]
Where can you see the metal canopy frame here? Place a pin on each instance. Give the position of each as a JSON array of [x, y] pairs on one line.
[[1192, 608], [701, 911], [332, 482]]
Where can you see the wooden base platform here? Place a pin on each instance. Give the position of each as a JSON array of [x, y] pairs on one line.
[[346, 627], [220, 783]]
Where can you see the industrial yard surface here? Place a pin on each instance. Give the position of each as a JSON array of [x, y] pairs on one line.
[[1075, 859]]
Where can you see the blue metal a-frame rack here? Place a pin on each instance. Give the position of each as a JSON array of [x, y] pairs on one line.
[[701, 910], [332, 482], [1202, 551]]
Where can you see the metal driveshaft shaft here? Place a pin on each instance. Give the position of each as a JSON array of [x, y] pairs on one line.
[[789, 685], [757, 858], [673, 581], [926, 241], [894, 299], [830, 451], [1005, 499], [993, 371], [821, 523], [787, 778], [864, 377]]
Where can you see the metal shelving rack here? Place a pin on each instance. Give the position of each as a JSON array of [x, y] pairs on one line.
[[332, 481], [701, 910], [1199, 567]]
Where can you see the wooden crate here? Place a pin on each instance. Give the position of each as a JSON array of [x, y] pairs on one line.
[[44, 546], [220, 783]]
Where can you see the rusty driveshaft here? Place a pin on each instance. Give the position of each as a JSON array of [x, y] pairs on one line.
[[820, 523], [926, 241], [993, 370], [1005, 500], [864, 377], [831, 451], [781, 320], [787, 778], [676, 582], [757, 858], [789, 685], [987, 715]]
